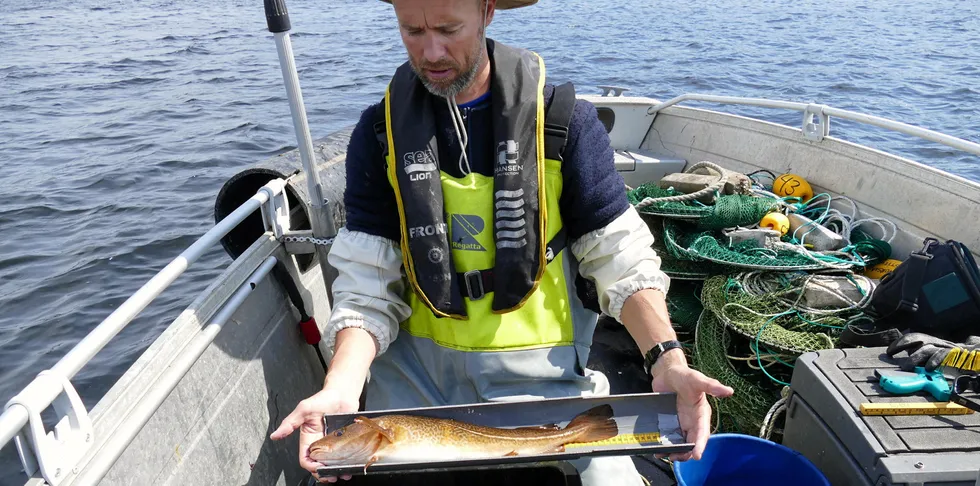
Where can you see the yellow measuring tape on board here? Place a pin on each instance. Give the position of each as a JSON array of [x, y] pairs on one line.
[[622, 439], [923, 408]]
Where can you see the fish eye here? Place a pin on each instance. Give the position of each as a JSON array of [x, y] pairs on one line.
[[338, 433]]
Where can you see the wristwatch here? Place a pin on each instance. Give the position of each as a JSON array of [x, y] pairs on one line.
[[654, 353]]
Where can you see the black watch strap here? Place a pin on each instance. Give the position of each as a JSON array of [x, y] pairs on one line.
[[654, 353]]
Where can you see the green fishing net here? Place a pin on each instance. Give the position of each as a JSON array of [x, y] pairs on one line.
[[677, 268], [769, 321], [743, 309], [744, 411], [684, 306], [755, 325], [678, 209], [737, 210], [706, 246], [726, 212]]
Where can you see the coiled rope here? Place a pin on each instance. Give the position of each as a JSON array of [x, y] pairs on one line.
[[707, 191]]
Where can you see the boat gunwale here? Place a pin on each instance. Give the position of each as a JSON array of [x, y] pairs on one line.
[[677, 111]]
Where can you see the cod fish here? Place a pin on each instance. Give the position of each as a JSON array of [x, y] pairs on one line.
[[408, 438]]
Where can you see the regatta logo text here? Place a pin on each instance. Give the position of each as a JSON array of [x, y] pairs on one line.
[[428, 230], [464, 230]]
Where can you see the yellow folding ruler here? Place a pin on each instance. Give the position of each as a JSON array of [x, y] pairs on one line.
[[919, 408], [622, 439]]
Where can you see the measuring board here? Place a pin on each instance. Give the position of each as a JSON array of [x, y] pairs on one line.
[[621, 439], [647, 424], [925, 408]]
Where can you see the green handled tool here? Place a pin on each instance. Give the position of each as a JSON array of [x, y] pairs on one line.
[[906, 383]]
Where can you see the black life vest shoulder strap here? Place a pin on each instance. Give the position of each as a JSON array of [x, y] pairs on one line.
[[380, 132], [557, 118]]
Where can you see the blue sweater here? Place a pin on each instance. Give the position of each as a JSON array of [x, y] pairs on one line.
[[593, 193]]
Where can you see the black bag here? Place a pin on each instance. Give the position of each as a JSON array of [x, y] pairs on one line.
[[936, 292]]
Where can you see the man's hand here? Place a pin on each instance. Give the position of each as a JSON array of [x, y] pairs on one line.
[[671, 374], [355, 349], [308, 418], [645, 317]]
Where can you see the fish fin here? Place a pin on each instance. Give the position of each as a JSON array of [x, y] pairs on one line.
[[595, 424], [385, 432], [540, 427], [372, 460], [511, 453]]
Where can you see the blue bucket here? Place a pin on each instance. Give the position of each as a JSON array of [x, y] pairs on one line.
[[736, 459]]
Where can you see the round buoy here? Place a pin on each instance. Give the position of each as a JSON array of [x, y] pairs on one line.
[[792, 185], [775, 221]]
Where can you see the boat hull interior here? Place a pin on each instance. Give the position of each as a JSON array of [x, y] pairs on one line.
[[214, 426]]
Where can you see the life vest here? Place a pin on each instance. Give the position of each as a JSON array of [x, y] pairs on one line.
[[464, 239]]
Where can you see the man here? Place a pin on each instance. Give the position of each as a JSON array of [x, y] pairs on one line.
[[451, 179]]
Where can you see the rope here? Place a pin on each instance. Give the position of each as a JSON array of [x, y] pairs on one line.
[[826, 259], [847, 222], [778, 286], [461, 134], [711, 189], [767, 423]]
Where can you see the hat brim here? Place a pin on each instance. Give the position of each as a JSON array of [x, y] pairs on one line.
[[504, 4]]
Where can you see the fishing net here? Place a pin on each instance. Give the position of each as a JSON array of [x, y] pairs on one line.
[[744, 411], [678, 268], [748, 303], [771, 310], [697, 239], [727, 211], [706, 246], [684, 306], [755, 325], [674, 209]]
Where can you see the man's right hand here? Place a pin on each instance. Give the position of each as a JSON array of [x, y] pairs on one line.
[[308, 418], [354, 351]]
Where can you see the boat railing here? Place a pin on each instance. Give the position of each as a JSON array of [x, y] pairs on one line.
[[816, 118], [55, 454]]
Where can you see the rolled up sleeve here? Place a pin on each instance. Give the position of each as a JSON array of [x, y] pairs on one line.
[[368, 289], [618, 257]]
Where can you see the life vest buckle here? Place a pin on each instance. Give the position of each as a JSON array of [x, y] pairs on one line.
[[473, 281]]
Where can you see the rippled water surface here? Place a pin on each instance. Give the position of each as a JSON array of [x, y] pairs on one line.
[[120, 120]]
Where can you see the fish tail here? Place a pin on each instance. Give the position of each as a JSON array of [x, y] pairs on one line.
[[594, 424]]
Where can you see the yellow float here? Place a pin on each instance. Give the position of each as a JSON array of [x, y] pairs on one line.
[[792, 185], [775, 221]]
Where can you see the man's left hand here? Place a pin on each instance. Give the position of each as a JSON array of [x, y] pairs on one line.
[[693, 410]]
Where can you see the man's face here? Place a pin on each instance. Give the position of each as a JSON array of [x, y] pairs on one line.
[[444, 41]]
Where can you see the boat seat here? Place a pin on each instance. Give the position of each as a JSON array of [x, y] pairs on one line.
[[641, 166]]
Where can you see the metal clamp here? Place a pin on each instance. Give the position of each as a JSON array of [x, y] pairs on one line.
[[54, 453], [609, 90], [927, 244], [815, 131], [474, 291], [275, 212]]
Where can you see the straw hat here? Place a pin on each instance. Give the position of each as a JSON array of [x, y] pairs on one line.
[[504, 4]]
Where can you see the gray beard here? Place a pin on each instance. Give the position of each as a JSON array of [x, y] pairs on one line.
[[459, 84]]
